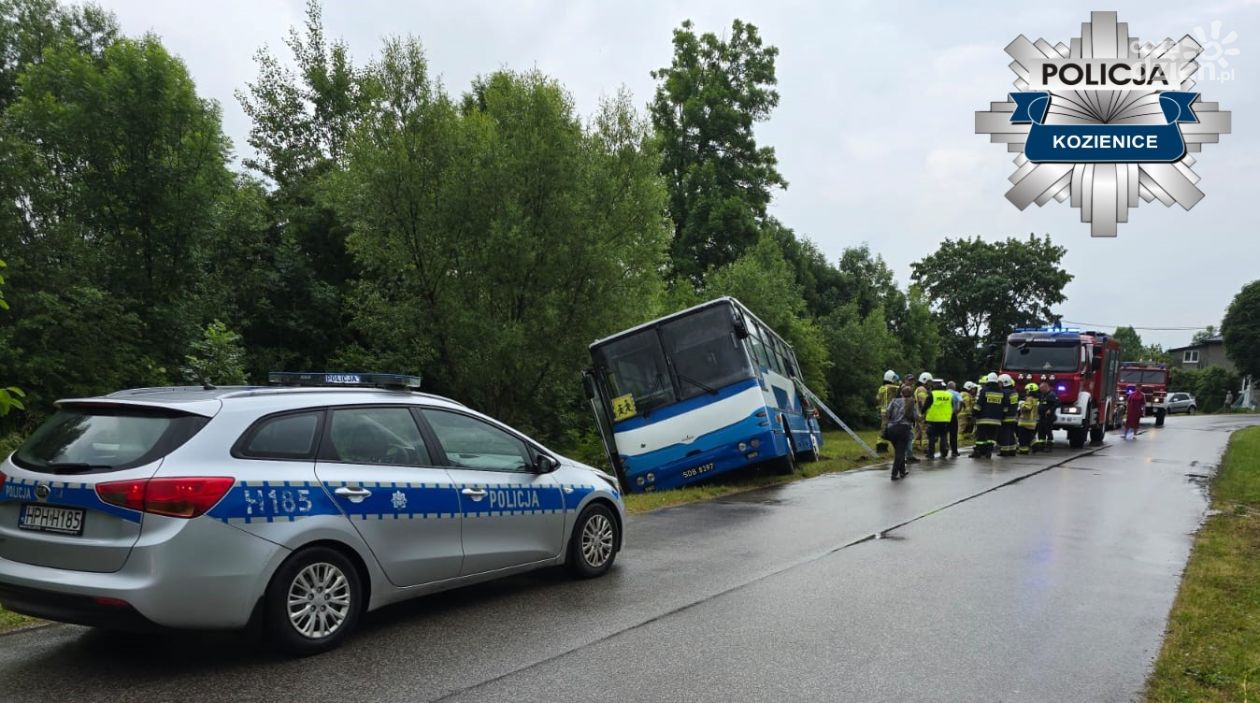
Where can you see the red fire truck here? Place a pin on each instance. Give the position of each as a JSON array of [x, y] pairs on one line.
[[1152, 380], [1081, 368]]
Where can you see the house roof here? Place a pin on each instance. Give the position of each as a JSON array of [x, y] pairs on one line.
[[1214, 339]]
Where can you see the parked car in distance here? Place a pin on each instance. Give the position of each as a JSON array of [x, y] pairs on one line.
[[1182, 403]]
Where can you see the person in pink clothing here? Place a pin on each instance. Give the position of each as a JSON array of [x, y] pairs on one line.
[[1135, 409]]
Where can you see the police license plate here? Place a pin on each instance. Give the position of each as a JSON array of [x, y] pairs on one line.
[[46, 518]]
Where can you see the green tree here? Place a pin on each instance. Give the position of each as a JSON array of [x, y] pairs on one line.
[[1204, 334], [1241, 330], [763, 281], [10, 396], [706, 105], [498, 236], [1131, 348], [302, 120], [981, 291], [126, 164], [29, 27], [868, 348], [217, 358]]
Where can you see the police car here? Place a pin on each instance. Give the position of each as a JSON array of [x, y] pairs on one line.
[[297, 506]]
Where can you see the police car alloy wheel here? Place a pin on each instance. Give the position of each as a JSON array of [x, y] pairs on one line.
[[313, 601], [593, 546]]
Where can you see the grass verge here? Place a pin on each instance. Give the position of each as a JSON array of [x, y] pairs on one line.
[[839, 453], [1211, 651], [8, 620]]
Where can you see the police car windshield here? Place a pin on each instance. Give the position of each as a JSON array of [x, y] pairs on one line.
[[1030, 356], [77, 441]]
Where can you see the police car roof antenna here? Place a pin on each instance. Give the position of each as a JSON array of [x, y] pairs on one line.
[[836, 419]]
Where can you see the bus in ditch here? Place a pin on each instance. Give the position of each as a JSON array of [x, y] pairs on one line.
[[692, 395]]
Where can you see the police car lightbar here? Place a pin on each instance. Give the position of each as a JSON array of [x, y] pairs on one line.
[[346, 380]]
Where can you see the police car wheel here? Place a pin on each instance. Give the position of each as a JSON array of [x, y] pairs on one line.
[[313, 601], [593, 545]]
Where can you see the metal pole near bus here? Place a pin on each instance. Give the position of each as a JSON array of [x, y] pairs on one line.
[[836, 418]]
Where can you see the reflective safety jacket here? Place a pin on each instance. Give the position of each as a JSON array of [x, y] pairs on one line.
[[1010, 404], [885, 395], [968, 406], [921, 396], [940, 407], [1027, 415], [989, 405]]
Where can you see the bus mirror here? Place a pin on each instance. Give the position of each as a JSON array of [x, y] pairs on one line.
[[741, 327], [588, 385]]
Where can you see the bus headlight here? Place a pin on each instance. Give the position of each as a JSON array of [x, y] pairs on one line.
[[743, 446]]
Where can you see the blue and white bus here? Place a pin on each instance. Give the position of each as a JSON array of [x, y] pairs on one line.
[[691, 395]]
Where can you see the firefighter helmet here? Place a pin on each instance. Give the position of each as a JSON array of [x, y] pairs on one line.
[[991, 378], [1005, 380], [925, 377], [1032, 388], [891, 377]]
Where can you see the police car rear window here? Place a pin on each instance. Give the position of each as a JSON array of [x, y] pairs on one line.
[[289, 436], [85, 440]]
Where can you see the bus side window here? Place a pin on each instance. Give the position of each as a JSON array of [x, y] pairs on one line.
[[758, 346], [776, 356]]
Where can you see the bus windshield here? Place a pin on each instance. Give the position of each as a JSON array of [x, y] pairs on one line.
[[1022, 356], [1143, 376], [635, 366], [705, 352], [682, 358]]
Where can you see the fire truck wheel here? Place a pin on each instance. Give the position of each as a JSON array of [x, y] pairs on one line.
[[1076, 438]]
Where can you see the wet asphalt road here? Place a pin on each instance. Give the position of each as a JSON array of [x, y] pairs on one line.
[[1038, 579]]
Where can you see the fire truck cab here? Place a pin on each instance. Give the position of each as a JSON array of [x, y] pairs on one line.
[[1152, 380], [1081, 368]]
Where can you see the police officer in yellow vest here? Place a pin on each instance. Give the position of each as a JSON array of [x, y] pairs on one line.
[[938, 411], [884, 396], [1027, 417]]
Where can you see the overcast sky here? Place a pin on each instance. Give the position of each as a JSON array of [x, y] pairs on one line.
[[875, 128]]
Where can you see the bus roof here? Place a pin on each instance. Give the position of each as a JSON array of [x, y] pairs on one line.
[[681, 313]]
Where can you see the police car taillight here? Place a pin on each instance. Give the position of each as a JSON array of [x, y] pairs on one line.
[[185, 497]]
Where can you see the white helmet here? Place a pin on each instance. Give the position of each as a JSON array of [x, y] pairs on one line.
[[992, 378], [969, 385], [891, 377], [1006, 380], [925, 377]]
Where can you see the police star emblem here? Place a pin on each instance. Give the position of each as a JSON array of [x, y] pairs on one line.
[[1104, 121], [399, 500]]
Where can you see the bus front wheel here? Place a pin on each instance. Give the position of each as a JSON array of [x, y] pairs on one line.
[[787, 463]]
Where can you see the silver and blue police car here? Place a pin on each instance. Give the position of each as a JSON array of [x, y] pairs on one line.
[[297, 506]]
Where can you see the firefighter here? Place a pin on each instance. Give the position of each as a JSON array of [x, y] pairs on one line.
[[921, 395], [966, 411], [884, 396], [988, 414], [938, 412], [1007, 445], [1047, 410], [1027, 417]]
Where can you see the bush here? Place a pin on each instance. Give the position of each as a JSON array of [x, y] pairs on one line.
[[1208, 385]]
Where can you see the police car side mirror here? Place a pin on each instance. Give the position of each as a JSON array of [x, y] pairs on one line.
[[545, 464]]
